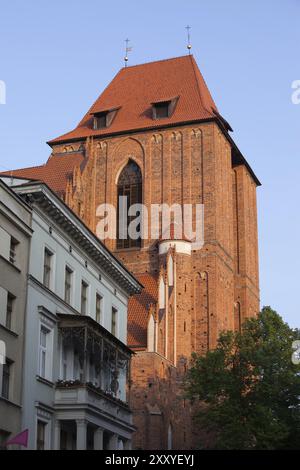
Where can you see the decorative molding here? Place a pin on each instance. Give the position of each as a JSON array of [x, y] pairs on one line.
[[48, 317], [44, 411]]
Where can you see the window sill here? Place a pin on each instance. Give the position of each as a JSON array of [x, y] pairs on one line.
[[10, 264], [45, 381], [11, 332], [9, 402]]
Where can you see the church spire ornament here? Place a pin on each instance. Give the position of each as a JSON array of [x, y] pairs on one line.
[[127, 49], [189, 46]]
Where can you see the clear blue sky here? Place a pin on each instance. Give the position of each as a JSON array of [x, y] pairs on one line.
[[56, 57]]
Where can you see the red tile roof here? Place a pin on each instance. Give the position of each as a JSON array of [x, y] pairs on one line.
[[131, 93], [133, 90], [54, 172], [138, 309]]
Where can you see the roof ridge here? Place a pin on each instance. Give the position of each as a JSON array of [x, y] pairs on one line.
[[155, 61], [24, 168]]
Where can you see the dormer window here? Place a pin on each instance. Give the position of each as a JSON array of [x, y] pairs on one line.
[[164, 109], [161, 110], [100, 120], [103, 119]]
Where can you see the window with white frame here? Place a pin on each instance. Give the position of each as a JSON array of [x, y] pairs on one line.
[[6, 379], [99, 301], [45, 353], [10, 310], [68, 284], [114, 321], [7, 307], [84, 297], [8, 246], [13, 250], [43, 430], [48, 257], [4, 243]]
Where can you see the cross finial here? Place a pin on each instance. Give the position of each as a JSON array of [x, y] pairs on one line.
[[127, 49], [189, 46]]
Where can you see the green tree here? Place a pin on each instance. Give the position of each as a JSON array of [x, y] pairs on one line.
[[247, 390]]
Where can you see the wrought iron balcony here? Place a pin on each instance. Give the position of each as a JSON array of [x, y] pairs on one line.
[[92, 358]]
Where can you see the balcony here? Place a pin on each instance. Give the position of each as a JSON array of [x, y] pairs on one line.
[[73, 394], [91, 354], [92, 385]]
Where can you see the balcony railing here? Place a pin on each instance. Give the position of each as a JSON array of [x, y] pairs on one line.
[[93, 343]]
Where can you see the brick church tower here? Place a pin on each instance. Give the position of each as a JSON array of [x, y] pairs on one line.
[[155, 135]]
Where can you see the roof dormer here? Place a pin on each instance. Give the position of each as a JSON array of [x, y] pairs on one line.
[[103, 119], [163, 109]]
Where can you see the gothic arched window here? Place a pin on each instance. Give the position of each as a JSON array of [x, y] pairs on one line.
[[130, 187]]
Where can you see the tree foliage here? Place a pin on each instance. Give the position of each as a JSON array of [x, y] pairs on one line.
[[247, 390]]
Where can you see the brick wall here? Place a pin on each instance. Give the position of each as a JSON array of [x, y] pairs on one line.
[[214, 286]]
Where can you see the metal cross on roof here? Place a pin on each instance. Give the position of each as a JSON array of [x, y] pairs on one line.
[[189, 46], [127, 49]]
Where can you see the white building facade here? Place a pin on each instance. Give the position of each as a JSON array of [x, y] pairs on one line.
[[15, 235], [76, 362]]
